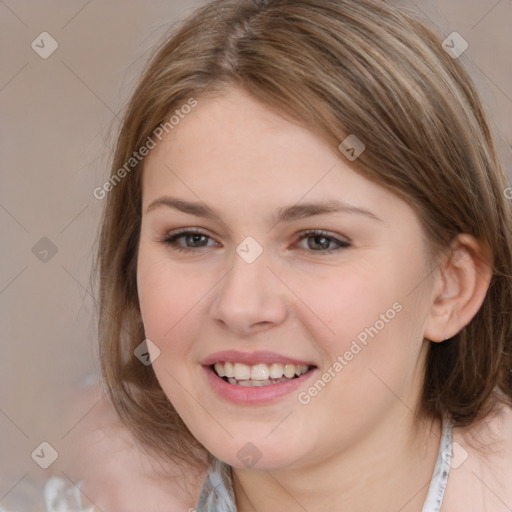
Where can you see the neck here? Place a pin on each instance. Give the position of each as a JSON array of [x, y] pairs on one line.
[[389, 469]]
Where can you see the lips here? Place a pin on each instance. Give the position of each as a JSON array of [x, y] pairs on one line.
[[255, 377]]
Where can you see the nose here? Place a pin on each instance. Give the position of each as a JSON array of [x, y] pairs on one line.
[[250, 298]]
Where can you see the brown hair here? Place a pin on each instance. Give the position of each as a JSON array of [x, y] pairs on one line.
[[339, 67]]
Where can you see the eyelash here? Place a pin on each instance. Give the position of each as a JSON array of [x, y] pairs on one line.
[[171, 239]]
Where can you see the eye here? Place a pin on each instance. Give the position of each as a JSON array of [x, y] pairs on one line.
[[322, 241], [193, 240], [318, 241]]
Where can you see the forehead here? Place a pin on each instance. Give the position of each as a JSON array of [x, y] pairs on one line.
[[233, 149]]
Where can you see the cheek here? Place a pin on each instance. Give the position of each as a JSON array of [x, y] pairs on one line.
[[352, 301], [374, 323], [170, 302], [167, 296]]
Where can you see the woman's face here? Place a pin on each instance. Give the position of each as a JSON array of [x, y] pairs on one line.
[[296, 266]]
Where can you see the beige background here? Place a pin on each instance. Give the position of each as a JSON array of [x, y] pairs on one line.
[[57, 116]]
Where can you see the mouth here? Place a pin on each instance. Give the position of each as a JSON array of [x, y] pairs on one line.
[[258, 375], [256, 378]]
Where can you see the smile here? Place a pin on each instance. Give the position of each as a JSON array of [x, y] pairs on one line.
[[256, 378], [260, 374]]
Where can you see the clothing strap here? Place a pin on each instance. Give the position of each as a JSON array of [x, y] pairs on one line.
[[441, 471], [217, 494]]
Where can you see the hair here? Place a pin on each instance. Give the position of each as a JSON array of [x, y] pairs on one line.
[[338, 67]]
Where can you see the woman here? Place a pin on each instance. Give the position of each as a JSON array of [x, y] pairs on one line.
[[306, 265]]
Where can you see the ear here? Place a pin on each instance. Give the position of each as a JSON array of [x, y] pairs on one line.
[[461, 284]]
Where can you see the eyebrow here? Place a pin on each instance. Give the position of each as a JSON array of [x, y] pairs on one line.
[[286, 214]]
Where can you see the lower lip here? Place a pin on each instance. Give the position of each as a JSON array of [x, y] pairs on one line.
[[247, 395]]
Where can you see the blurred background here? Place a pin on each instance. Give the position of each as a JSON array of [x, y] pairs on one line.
[[67, 70]]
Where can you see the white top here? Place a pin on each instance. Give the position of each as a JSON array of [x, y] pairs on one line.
[[60, 495]]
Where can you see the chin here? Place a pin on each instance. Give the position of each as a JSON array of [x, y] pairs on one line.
[[260, 454]]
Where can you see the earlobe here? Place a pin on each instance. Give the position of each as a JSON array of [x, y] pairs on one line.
[[463, 280]]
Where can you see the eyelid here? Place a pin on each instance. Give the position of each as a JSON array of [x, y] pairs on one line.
[[173, 235], [342, 242], [327, 234]]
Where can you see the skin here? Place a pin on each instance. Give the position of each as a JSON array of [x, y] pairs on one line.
[[356, 444]]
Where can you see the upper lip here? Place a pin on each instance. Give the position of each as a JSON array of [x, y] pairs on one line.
[[251, 358]]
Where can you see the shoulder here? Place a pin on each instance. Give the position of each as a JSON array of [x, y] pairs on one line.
[[114, 472], [481, 469]]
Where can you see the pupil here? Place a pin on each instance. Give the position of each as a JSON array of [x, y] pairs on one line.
[[325, 244], [195, 238]]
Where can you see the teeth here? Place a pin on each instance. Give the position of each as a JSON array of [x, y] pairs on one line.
[[242, 371], [289, 370], [229, 370], [256, 383], [261, 373], [301, 369], [219, 368], [276, 370]]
